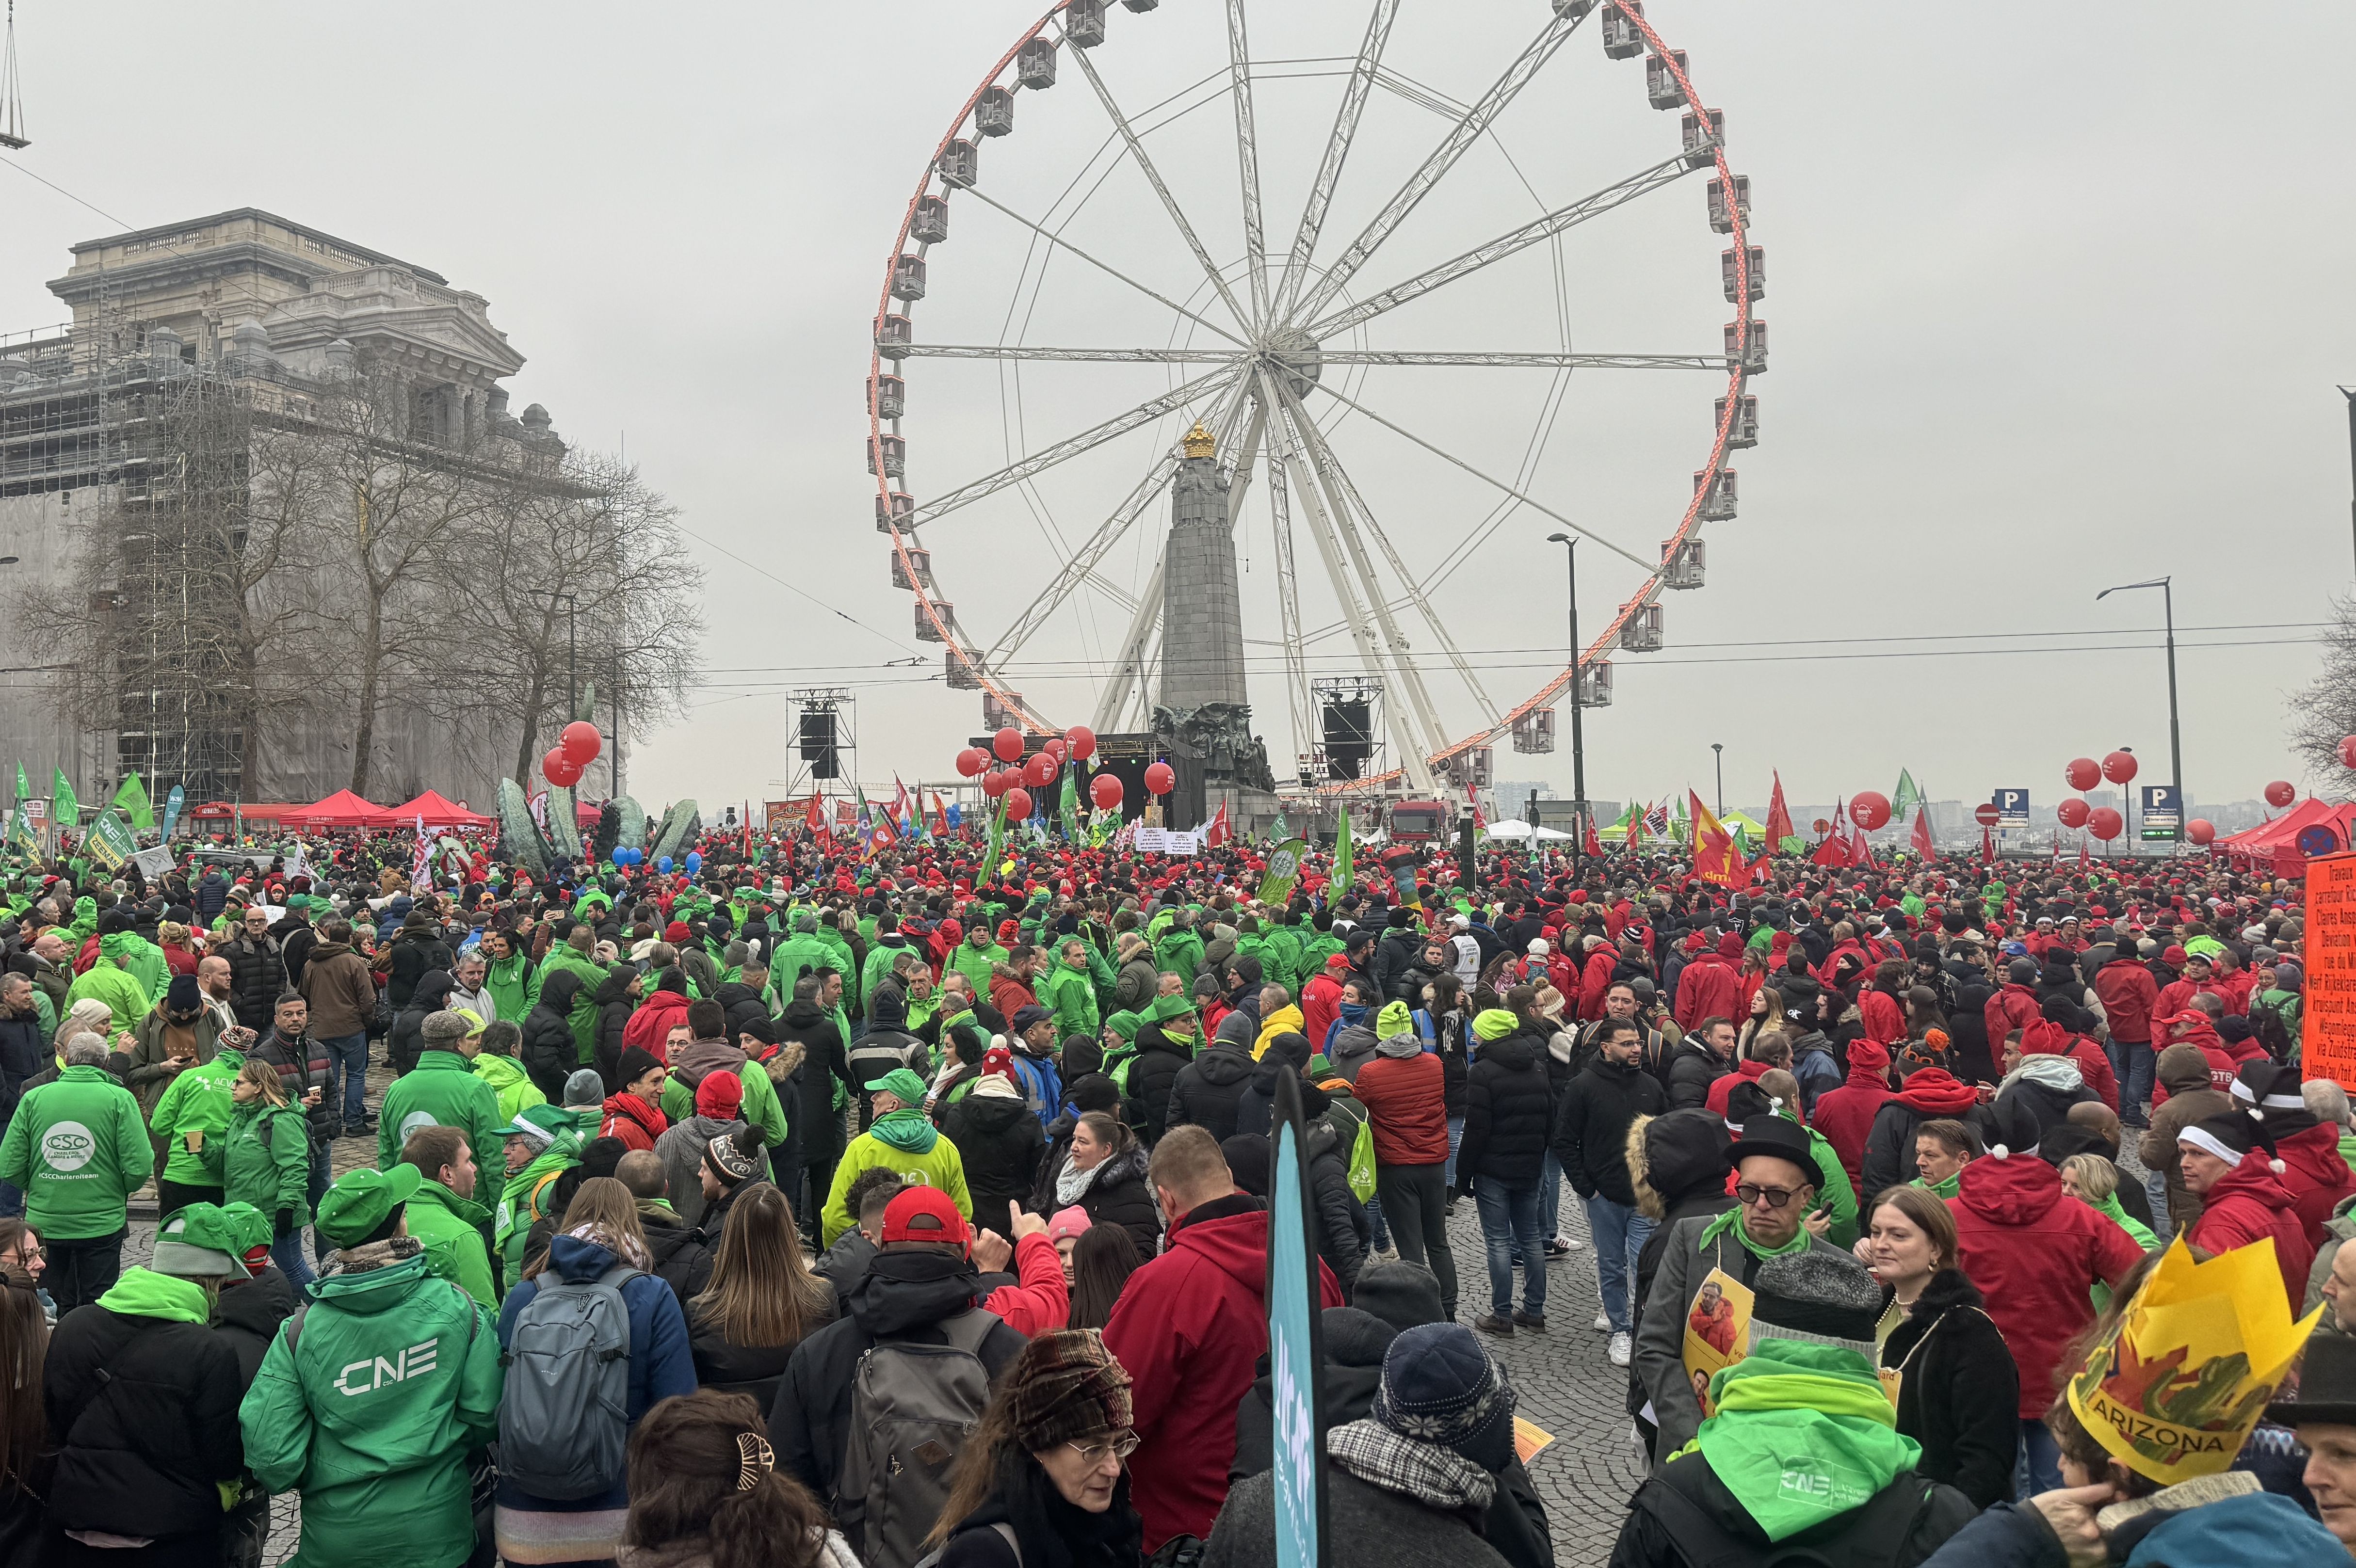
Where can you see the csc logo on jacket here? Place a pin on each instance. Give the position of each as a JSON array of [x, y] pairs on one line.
[[67, 1146], [414, 1362]]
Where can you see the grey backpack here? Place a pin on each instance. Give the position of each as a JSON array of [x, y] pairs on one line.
[[912, 1408], [564, 1416]]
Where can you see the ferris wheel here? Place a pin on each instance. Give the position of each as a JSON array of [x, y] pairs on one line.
[[1120, 291]]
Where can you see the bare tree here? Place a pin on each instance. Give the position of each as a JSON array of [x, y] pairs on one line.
[[2325, 714]]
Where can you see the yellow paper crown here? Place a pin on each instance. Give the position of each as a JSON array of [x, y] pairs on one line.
[[2174, 1389]]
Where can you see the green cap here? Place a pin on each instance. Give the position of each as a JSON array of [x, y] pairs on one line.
[[902, 1081], [199, 1241], [1164, 1009], [254, 1227], [1493, 1023], [1125, 1024], [1394, 1019], [543, 1123], [352, 1209]]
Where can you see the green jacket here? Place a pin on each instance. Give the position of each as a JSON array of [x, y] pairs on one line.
[[1180, 953], [524, 1201], [77, 1150], [451, 1228], [394, 1382], [1285, 948], [116, 986], [197, 1101], [514, 985], [974, 962], [879, 964], [803, 950], [584, 1016], [938, 1166], [512, 1085], [440, 1091], [143, 961], [1071, 995], [266, 1159], [843, 958]]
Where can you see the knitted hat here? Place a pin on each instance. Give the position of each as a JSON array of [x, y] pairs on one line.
[[199, 1241], [998, 1060], [901, 1082], [1124, 1024], [2274, 1093], [731, 1161], [583, 1090], [1493, 1023], [1441, 1386], [443, 1029], [923, 1214], [182, 995], [1065, 1386], [1073, 1222], [1248, 1162], [636, 1062], [2014, 1129], [1401, 1294], [720, 1096], [1822, 1298]]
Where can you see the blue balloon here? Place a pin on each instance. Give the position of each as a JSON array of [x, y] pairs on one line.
[[663, 865], [694, 861], [621, 855], [637, 857]]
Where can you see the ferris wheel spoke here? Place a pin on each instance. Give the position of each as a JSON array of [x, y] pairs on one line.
[[1071, 447], [1337, 151], [1718, 362], [1248, 158], [1129, 670], [1288, 597], [1447, 456], [1434, 169], [1136, 145], [1055, 239], [1643, 183], [1026, 352], [1346, 517]]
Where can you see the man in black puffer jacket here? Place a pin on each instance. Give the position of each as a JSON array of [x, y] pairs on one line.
[[1508, 1120], [1210, 1088], [998, 1140], [257, 971], [1153, 1073], [550, 1051], [1343, 1230], [814, 1140]]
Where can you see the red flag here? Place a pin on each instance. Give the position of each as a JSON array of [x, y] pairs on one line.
[[2084, 859], [1987, 846], [1779, 817], [1923, 844], [1593, 845], [1220, 832], [940, 818], [1837, 851], [1715, 858]]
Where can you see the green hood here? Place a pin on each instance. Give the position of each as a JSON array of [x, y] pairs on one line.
[[1802, 1433], [116, 944], [143, 1293], [498, 1071], [371, 1290], [1942, 1189], [908, 1129], [440, 1197]]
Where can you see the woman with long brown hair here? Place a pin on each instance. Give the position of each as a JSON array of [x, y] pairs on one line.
[[1044, 1478], [705, 1492], [25, 1454], [1102, 1259], [763, 1300]]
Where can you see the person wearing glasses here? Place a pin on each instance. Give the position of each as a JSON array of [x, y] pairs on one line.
[[1777, 1180], [1044, 1478]]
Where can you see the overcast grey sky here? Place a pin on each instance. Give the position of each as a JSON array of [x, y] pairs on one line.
[[2057, 299]]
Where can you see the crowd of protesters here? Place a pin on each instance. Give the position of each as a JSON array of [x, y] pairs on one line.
[[825, 1207]]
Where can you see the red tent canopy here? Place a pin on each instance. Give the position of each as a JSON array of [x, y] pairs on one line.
[[341, 810], [2275, 844], [437, 812]]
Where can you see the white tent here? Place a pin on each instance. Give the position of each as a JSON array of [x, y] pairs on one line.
[[1510, 828]]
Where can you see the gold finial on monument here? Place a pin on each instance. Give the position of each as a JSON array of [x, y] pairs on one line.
[[1200, 442]]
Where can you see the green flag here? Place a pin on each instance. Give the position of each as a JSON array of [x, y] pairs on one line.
[[1276, 831], [997, 835], [1905, 798], [111, 843], [1344, 872], [130, 800], [1283, 870], [64, 809], [24, 785], [1069, 808], [20, 827]]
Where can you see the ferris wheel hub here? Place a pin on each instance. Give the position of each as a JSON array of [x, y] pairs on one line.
[[1291, 351]]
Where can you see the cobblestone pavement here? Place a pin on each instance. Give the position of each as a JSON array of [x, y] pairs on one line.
[[1564, 1380]]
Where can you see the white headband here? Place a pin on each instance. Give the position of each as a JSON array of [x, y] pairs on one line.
[[2242, 1092], [2209, 1142]]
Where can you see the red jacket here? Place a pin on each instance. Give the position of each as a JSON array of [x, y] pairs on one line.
[[2318, 1179], [1040, 1300], [1010, 995], [1884, 1024], [635, 1122], [658, 1015], [1844, 1115], [2044, 1038], [1594, 980], [1744, 1072], [2033, 1250], [2130, 999], [1405, 1099], [1321, 1002], [2235, 989], [1188, 1331], [2250, 1203], [2013, 1006], [2176, 996], [1709, 988]]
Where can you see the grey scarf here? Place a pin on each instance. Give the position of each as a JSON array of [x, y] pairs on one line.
[[1072, 1183], [1436, 1477]]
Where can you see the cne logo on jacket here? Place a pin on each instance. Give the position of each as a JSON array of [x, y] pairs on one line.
[[414, 1362]]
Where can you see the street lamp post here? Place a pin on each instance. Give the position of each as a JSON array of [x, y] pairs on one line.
[[1578, 731], [1717, 752], [2175, 737], [2349, 393]]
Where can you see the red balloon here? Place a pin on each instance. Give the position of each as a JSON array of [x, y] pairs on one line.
[[2348, 751], [1040, 771], [1105, 790], [1052, 745], [2281, 792], [559, 769], [2104, 824], [1082, 740], [1018, 804], [2084, 773], [2072, 812], [996, 782], [1160, 779], [1869, 810], [2199, 830], [1007, 744], [972, 762], [2119, 766], [581, 743]]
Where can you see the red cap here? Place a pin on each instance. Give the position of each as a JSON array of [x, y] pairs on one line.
[[2174, 957], [675, 933], [925, 1214], [720, 1096]]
